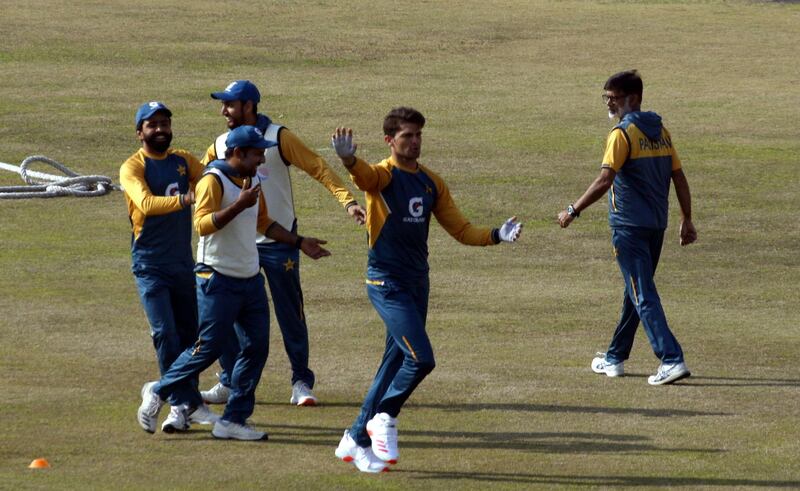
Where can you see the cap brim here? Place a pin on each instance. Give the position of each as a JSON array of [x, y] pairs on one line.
[[223, 96]]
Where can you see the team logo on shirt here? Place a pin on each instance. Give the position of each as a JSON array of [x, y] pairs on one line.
[[416, 210], [173, 189]]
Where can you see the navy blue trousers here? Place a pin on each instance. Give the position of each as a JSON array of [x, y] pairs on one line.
[[408, 355], [229, 308], [167, 292], [281, 264], [637, 251]]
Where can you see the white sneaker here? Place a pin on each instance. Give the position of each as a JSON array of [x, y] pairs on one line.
[[228, 430], [147, 415], [669, 373], [363, 458], [202, 415], [600, 365], [382, 428], [177, 420], [302, 395], [216, 395]]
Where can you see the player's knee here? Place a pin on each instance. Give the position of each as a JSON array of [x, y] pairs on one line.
[[424, 367], [256, 346]]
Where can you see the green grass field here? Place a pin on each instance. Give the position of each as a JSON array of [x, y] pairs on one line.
[[511, 90]]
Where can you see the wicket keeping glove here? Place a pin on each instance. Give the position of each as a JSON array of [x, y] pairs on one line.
[[510, 230], [343, 144]]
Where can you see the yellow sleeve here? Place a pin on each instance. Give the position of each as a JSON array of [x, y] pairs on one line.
[[676, 161], [617, 150], [296, 153], [211, 155], [264, 220], [451, 219], [208, 196], [370, 178], [195, 167], [131, 176]]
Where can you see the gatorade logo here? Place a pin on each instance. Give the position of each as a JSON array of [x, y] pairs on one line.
[[415, 207], [416, 210]]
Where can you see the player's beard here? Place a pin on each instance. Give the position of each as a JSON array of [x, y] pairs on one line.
[[160, 145], [620, 111]]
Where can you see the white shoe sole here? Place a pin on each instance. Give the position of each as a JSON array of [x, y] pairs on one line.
[[305, 401]]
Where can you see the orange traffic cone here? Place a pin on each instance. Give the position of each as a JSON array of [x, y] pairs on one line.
[[39, 464]]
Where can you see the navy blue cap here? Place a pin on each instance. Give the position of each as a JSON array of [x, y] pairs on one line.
[[147, 110], [249, 137], [240, 90]]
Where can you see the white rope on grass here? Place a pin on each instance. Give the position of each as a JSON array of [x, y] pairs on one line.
[[42, 185]]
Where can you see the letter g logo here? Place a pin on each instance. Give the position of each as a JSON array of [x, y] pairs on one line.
[[415, 207]]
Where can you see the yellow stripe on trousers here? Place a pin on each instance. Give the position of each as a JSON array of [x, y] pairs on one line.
[[635, 293], [414, 355]]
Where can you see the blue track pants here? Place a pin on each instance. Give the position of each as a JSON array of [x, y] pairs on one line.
[[407, 357], [637, 251], [229, 308]]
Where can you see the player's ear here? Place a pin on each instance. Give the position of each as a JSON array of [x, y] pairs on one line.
[[388, 139]]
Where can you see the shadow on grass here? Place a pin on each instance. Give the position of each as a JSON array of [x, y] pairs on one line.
[[614, 481], [695, 381], [739, 382], [540, 442], [539, 408]]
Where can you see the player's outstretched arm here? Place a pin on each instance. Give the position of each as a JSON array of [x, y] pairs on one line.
[[369, 178], [510, 230], [594, 192], [311, 246]]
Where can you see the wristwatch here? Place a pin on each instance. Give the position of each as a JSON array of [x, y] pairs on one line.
[[573, 212]]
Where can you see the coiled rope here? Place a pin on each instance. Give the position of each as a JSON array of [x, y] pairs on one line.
[[42, 185]]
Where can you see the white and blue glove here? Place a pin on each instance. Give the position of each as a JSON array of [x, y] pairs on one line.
[[342, 143], [510, 230]]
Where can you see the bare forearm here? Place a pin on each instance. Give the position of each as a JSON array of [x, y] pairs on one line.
[[683, 193], [595, 191], [277, 233]]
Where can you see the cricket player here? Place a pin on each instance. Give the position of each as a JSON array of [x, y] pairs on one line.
[[232, 303], [639, 164], [281, 262], [159, 186], [401, 196]]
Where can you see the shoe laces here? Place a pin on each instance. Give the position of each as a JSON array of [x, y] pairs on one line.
[[389, 426], [663, 371]]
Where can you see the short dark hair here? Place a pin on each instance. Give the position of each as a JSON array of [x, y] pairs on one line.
[[627, 82], [228, 153], [400, 115]]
